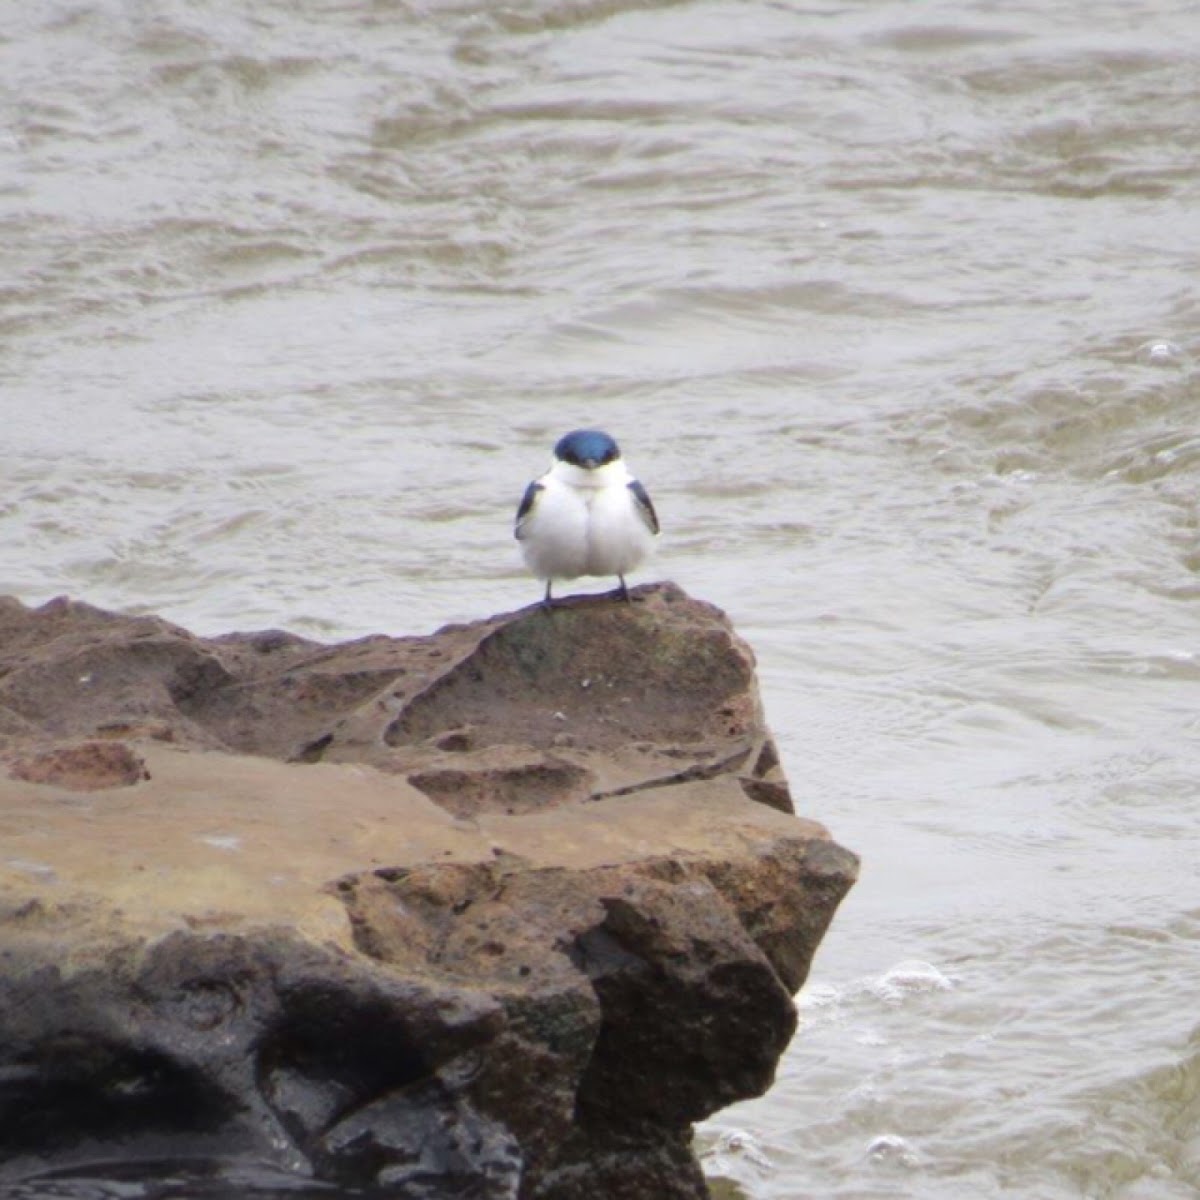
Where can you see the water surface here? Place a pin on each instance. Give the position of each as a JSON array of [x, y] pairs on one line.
[[892, 306]]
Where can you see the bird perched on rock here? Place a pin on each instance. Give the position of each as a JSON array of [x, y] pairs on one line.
[[587, 515]]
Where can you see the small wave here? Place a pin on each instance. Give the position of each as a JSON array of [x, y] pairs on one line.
[[737, 1157], [823, 1004], [909, 978], [890, 1149], [1161, 353]]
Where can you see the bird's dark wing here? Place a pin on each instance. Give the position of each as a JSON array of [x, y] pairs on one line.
[[644, 505], [526, 507]]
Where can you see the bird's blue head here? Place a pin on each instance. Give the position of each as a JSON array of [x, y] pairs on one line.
[[587, 448]]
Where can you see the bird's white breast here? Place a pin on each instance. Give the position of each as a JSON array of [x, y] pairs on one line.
[[585, 523]]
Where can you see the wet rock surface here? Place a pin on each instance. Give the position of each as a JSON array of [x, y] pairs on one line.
[[498, 912]]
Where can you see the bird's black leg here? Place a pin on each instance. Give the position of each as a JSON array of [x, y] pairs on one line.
[[624, 590], [547, 602]]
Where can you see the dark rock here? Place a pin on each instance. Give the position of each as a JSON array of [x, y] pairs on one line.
[[497, 913]]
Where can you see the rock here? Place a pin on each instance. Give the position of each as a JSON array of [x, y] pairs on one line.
[[83, 766], [499, 912]]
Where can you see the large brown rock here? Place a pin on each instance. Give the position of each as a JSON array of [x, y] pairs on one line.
[[495, 913]]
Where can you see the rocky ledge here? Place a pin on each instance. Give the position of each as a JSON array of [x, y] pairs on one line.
[[495, 913]]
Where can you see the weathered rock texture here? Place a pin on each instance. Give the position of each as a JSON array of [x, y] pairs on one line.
[[494, 913]]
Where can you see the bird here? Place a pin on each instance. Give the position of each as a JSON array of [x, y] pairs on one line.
[[587, 515]]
